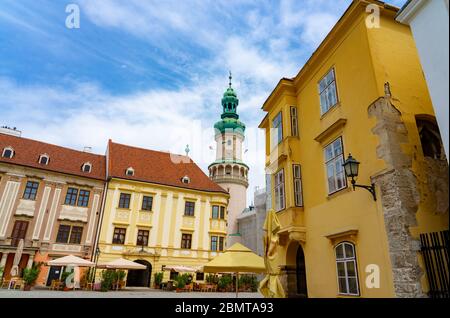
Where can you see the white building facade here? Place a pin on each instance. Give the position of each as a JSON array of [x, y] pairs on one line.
[[429, 22]]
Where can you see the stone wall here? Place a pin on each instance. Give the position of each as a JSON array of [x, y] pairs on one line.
[[400, 198]]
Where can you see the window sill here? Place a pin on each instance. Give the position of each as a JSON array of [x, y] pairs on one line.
[[149, 211], [123, 209], [330, 110], [339, 192]]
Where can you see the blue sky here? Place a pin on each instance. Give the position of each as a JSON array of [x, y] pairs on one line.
[[151, 73]]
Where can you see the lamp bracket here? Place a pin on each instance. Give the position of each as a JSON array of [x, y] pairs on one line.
[[370, 188]]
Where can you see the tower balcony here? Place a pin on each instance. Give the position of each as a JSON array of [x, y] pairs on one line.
[[224, 178], [229, 172]]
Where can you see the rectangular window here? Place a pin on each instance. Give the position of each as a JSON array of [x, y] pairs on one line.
[[294, 121], [298, 191], [222, 212], [328, 91], [119, 235], [215, 212], [124, 201], [186, 240], [221, 243], [63, 234], [213, 243], [280, 202], [334, 159], [142, 238], [347, 272], [71, 196], [75, 235], [31, 190], [277, 129], [19, 232], [199, 276], [83, 198], [189, 208], [147, 203]]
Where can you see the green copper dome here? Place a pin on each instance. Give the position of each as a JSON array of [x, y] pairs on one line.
[[230, 119]]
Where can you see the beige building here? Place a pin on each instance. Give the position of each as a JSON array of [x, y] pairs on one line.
[[161, 210], [50, 197]]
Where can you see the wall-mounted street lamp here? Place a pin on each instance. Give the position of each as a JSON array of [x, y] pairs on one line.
[[351, 167]]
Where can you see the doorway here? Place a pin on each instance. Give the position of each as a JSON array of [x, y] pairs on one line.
[[302, 290], [53, 273], [139, 277]]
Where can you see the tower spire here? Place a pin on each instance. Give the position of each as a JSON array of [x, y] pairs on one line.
[[230, 77]]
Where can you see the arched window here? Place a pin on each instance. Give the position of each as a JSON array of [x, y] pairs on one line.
[[44, 159], [347, 271], [87, 167], [8, 152], [430, 138], [130, 172]]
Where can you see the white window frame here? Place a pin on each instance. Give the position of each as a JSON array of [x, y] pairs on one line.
[[334, 161], [298, 188], [87, 164], [186, 180], [279, 189], [324, 88], [345, 260], [294, 121], [277, 132], [129, 169], [6, 149], [44, 156]]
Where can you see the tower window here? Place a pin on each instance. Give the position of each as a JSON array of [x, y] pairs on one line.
[[8, 152], [44, 159]]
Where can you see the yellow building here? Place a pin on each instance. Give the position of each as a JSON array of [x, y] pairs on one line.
[[160, 210], [362, 92]]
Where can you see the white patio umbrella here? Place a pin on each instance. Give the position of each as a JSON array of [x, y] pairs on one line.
[[181, 268], [17, 257], [72, 261], [121, 263]]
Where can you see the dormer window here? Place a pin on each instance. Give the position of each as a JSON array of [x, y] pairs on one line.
[[44, 159], [186, 180], [8, 152], [130, 172], [87, 167]]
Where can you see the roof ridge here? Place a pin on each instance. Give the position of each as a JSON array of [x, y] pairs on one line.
[[152, 150], [53, 145]]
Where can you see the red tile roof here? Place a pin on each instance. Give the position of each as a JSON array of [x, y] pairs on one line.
[[62, 160], [157, 167]]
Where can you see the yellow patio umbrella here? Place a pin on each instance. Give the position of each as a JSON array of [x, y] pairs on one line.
[[236, 259]]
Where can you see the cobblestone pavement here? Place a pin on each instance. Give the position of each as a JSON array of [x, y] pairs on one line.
[[128, 293]]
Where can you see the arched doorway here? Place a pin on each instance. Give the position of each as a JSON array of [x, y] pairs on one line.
[[140, 278], [302, 290]]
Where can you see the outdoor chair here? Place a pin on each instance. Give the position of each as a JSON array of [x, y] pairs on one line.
[[18, 284], [5, 283]]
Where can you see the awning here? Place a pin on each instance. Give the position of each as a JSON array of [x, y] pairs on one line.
[[121, 263], [70, 260]]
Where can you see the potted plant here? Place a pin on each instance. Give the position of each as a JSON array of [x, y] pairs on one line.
[[181, 281], [64, 276], [121, 278], [158, 280], [225, 283], [108, 278], [30, 276]]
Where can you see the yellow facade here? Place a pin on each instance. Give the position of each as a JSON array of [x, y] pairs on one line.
[[373, 67], [165, 223]]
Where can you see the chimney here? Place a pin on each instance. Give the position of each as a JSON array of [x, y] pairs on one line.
[[10, 131], [87, 149]]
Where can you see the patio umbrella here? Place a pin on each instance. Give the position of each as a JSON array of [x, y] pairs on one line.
[[72, 261], [17, 257], [121, 263], [271, 286], [181, 268], [236, 259]]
